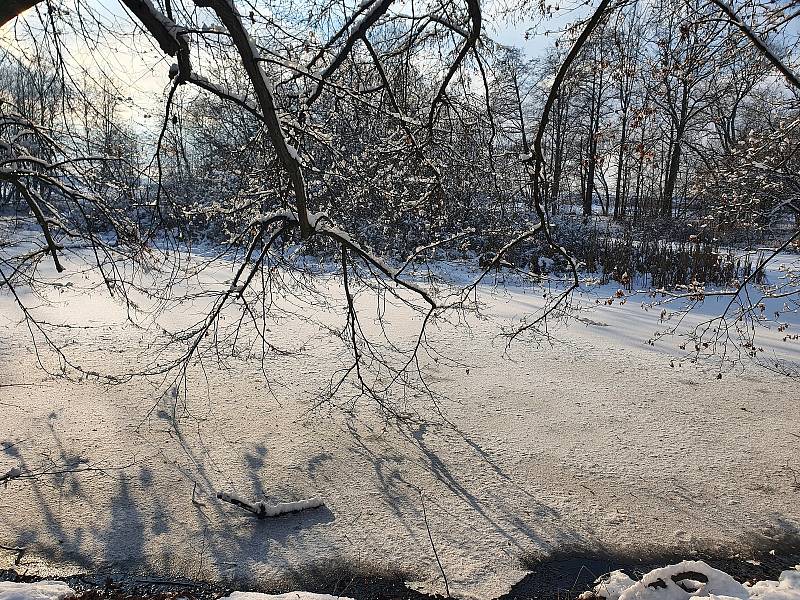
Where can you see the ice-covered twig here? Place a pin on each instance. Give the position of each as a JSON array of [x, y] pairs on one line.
[[263, 510]]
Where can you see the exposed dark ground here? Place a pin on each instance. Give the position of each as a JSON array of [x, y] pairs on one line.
[[560, 576]]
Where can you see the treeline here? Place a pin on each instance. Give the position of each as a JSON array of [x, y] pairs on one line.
[[669, 128]]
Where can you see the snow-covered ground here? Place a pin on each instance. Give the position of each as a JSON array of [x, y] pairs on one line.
[[591, 439]]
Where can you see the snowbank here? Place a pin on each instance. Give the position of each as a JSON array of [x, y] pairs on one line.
[[689, 579], [682, 581], [41, 590], [786, 588], [58, 590]]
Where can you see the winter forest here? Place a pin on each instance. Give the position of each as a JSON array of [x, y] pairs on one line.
[[389, 299]]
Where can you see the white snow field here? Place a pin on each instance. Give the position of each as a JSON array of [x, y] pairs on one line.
[[594, 439]]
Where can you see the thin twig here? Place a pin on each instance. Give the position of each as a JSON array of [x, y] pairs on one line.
[[433, 545]]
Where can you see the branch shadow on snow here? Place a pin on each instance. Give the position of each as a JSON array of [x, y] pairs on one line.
[[61, 474], [211, 540], [130, 511], [227, 537], [507, 523]]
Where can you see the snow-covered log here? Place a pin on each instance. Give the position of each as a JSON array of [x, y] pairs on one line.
[[263, 510]]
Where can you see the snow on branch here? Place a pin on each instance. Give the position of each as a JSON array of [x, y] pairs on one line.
[[758, 43], [230, 17], [359, 31], [263, 510]]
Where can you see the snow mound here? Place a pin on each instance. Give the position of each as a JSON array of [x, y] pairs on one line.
[[689, 579], [58, 590], [41, 590], [286, 596], [786, 588]]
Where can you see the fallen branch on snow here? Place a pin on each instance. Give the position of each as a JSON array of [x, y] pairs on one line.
[[263, 510]]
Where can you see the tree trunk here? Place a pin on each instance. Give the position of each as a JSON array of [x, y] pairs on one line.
[[555, 188], [619, 195], [589, 190], [672, 177], [12, 8]]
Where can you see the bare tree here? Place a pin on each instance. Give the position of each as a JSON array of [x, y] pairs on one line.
[[333, 133]]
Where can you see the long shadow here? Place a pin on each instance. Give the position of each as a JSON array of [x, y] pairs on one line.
[[124, 535], [245, 536], [133, 512], [386, 466], [63, 472], [444, 474], [135, 504]]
